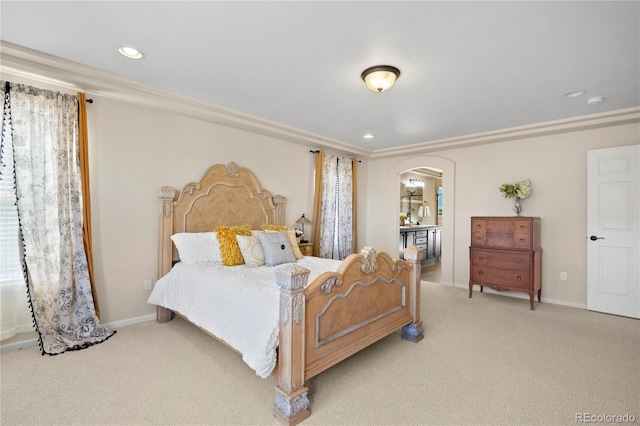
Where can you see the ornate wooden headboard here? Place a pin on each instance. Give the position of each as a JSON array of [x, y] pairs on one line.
[[226, 195]]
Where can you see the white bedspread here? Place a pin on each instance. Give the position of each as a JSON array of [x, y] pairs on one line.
[[239, 305]]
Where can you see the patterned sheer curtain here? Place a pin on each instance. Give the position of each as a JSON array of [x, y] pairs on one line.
[[48, 189], [335, 206]]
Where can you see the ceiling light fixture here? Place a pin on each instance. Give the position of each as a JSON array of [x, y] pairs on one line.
[[380, 77], [131, 52], [368, 136], [595, 100], [573, 94], [416, 182]]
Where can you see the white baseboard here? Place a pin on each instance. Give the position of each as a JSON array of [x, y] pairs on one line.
[[131, 321], [519, 295], [16, 346]]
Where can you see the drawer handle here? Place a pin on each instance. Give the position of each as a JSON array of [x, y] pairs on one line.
[[481, 259], [480, 273], [519, 278], [522, 240]]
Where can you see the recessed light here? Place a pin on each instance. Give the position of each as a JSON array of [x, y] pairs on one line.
[[368, 136], [131, 52], [573, 94], [595, 100]]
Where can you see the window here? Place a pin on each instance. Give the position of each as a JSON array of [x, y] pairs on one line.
[[15, 315]]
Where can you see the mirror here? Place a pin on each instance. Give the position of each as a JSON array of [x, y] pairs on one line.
[[420, 199]]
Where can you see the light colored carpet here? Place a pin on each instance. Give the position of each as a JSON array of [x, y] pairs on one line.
[[484, 361]]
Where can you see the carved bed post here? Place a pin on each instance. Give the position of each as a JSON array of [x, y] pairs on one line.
[[279, 202], [291, 403], [165, 251], [414, 331]]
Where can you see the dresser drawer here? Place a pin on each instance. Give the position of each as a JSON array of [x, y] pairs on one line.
[[421, 234], [503, 279], [501, 260], [478, 232], [507, 233], [421, 240], [522, 235]]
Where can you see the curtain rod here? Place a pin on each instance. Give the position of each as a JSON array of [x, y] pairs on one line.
[[318, 152], [8, 88]]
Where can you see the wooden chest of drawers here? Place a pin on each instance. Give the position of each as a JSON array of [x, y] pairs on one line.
[[505, 254]]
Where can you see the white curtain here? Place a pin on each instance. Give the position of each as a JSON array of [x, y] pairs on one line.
[[48, 187], [15, 315], [336, 228]]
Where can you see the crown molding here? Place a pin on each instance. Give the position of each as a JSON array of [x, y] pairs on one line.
[[573, 124], [36, 66]]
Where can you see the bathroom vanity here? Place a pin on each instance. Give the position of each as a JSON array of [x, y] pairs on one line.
[[427, 237]]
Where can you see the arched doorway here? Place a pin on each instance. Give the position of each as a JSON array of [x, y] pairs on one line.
[[421, 220], [448, 184]]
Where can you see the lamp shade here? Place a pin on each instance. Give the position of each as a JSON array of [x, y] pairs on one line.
[[380, 77], [303, 220]]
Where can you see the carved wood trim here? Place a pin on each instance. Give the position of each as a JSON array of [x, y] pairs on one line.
[[354, 327]]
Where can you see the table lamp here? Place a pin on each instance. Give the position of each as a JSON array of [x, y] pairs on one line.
[[302, 221]]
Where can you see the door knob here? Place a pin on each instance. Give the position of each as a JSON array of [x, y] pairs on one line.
[[593, 238]]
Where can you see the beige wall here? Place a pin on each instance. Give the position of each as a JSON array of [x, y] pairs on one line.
[[133, 152], [557, 168]]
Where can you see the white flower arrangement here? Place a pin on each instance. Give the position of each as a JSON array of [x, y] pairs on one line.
[[299, 232], [520, 189]]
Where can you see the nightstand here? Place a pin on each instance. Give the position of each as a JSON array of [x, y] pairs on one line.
[[306, 248]]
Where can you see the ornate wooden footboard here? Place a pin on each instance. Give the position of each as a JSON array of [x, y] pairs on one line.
[[338, 314]]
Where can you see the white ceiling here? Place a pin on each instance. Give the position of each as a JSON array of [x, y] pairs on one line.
[[467, 67]]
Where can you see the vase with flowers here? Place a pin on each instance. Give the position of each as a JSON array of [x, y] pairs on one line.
[[519, 190], [403, 218]]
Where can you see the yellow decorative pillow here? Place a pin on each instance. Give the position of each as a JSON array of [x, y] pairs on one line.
[[291, 235], [293, 240], [229, 249], [276, 228]]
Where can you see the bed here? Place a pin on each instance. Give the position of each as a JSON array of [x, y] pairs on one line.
[[317, 312]]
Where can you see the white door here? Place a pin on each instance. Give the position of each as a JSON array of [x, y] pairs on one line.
[[613, 234]]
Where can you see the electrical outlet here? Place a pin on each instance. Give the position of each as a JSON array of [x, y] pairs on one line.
[[147, 284], [563, 276]]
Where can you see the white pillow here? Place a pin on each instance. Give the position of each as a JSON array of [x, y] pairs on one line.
[[251, 250], [197, 247]]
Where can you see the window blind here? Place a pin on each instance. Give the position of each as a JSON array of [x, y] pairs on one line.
[[15, 315]]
